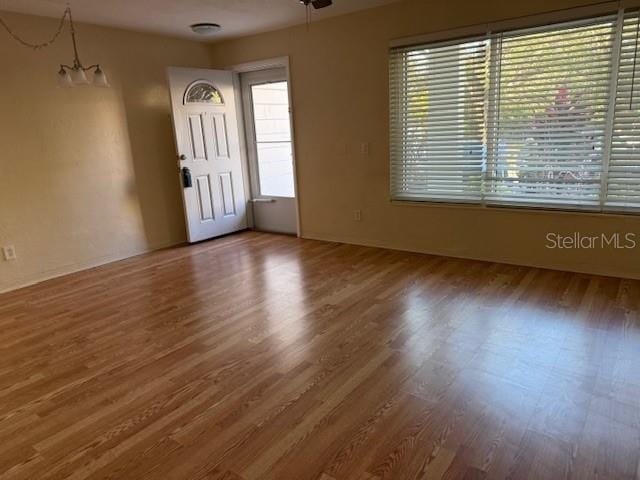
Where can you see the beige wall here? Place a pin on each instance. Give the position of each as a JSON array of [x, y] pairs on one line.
[[86, 175], [339, 86]]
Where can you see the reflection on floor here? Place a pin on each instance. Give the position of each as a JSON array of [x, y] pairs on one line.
[[262, 356]]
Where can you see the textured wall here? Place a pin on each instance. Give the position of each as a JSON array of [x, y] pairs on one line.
[[339, 86], [86, 175]]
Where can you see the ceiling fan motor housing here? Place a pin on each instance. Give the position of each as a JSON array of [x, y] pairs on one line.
[[317, 3]]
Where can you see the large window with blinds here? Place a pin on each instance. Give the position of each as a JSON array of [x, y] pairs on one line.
[[543, 117]]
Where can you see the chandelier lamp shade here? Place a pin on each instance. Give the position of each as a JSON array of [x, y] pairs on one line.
[[75, 75], [68, 75]]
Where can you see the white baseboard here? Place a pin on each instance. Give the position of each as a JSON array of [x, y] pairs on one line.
[[78, 267], [389, 246], [96, 262]]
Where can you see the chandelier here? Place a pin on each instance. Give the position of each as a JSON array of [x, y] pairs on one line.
[[69, 75]]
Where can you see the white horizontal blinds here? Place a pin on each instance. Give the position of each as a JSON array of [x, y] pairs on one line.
[[547, 118], [437, 96], [623, 180]]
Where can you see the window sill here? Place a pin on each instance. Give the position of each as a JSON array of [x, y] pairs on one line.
[[515, 209]]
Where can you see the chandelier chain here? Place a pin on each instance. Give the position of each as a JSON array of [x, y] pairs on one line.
[[38, 46]]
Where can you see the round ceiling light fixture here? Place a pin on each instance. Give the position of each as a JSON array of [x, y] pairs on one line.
[[205, 28]]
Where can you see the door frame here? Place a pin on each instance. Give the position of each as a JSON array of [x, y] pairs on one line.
[[255, 66], [259, 77]]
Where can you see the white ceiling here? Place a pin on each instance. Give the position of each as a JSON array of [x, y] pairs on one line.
[[173, 17]]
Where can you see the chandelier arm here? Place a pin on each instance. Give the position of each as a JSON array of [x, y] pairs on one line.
[[38, 46]]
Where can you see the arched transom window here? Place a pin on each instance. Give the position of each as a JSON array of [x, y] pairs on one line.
[[202, 92]]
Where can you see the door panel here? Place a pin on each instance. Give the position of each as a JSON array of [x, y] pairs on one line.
[[267, 116], [198, 140], [277, 216], [222, 143], [228, 198], [205, 199], [207, 138]]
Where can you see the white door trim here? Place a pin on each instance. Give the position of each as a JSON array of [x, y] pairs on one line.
[[269, 64]]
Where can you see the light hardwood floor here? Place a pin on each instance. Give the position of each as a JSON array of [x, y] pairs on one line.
[[258, 356]]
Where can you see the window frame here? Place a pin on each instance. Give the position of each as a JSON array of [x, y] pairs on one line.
[[534, 24]]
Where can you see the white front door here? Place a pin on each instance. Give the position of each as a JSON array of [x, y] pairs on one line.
[[267, 118], [207, 139]]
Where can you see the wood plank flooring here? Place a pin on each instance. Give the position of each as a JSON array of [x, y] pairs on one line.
[[258, 356]]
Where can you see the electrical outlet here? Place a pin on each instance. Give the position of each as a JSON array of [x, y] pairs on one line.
[[364, 148], [357, 215], [9, 252]]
